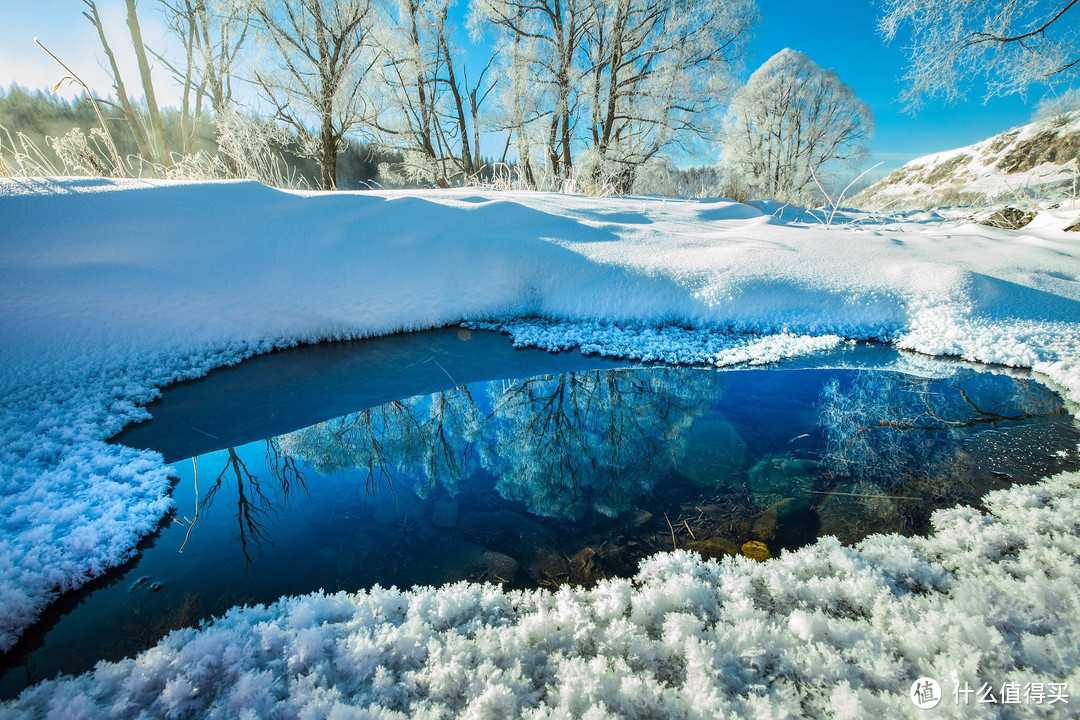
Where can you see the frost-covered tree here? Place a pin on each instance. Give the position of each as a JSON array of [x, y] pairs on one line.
[[790, 119], [612, 83], [655, 72], [211, 33], [517, 109], [319, 53], [1010, 43], [426, 108], [547, 37]]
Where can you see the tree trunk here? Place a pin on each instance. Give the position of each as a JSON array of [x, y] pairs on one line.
[[130, 115], [328, 154], [148, 86], [459, 106], [187, 134]]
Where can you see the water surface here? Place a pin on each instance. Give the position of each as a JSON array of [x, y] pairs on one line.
[[442, 456]]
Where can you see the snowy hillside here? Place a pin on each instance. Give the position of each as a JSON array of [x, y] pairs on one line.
[[1034, 162], [111, 289]]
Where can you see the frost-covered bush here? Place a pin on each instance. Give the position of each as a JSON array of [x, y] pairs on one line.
[[21, 157], [789, 120], [1058, 111], [75, 153], [660, 177], [249, 148]]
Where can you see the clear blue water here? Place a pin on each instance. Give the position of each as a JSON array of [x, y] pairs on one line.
[[442, 456]]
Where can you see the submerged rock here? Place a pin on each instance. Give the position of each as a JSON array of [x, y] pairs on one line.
[[714, 547], [777, 515], [444, 513], [779, 477], [756, 550], [496, 567], [457, 559], [765, 526], [548, 568], [715, 452], [503, 529], [583, 567], [639, 518], [590, 565]]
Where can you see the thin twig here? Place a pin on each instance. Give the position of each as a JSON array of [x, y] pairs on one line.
[[118, 164], [191, 523], [674, 545], [831, 214]]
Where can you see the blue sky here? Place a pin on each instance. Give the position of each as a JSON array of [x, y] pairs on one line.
[[842, 35], [837, 34]]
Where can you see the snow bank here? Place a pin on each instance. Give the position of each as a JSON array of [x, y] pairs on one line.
[[110, 289]]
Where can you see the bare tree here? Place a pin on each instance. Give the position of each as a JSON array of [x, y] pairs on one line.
[[320, 53], [156, 127], [790, 119], [1010, 43]]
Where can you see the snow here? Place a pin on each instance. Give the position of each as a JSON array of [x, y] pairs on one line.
[[110, 289]]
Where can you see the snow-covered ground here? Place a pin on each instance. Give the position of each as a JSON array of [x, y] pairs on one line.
[[110, 289]]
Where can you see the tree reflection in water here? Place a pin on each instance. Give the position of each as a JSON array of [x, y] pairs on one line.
[[284, 470], [562, 445], [901, 442], [892, 447], [425, 438], [369, 440], [567, 444], [255, 509]]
